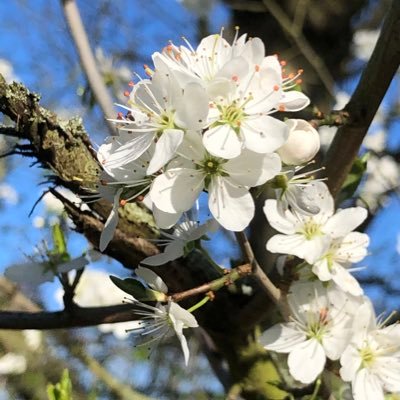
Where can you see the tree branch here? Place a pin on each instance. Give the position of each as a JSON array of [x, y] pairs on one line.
[[305, 48], [364, 103], [88, 62]]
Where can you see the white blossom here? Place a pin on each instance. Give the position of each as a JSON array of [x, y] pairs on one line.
[[302, 144], [227, 182], [319, 328], [36, 272], [334, 264], [160, 112], [163, 320], [175, 243], [371, 362], [116, 178], [309, 236]]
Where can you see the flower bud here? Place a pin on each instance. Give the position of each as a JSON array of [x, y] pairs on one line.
[[302, 144]]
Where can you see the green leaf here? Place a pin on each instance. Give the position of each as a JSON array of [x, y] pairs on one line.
[[354, 177], [137, 289], [61, 390]]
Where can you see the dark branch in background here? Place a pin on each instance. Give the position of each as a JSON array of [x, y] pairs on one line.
[[364, 103], [73, 318], [88, 61], [304, 46]]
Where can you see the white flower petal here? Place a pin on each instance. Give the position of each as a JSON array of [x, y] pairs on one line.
[[345, 221], [322, 270], [282, 338], [307, 361], [222, 141], [346, 281], [152, 279], [164, 220], [30, 272], [366, 386], [192, 108], [236, 68], [126, 152], [388, 371], [350, 361], [111, 223], [353, 248], [294, 100], [165, 149], [282, 222], [253, 169], [171, 252], [232, 206], [176, 190], [264, 134], [180, 314], [297, 245]]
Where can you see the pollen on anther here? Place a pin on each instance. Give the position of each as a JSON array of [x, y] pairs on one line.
[[281, 108], [276, 88], [300, 71], [127, 93], [122, 202], [235, 78]]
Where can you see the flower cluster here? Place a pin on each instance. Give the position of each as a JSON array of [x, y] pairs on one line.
[[330, 318], [205, 120], [209, 120]]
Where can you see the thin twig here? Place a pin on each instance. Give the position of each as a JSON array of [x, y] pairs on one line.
[[272, 291], [88, 62], [365, 101], [216, 284], [304, 46]]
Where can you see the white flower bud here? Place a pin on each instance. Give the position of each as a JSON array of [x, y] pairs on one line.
[[302, 145]]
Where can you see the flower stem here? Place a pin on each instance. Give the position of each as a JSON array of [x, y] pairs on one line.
[[199, 304], [316, 389]]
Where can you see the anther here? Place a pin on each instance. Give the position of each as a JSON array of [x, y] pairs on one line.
[[127, 93], [283, 63], [122, 202], [257, 68], [276, 88], [131, 84], [147, 70], [299, 81], [235, 78], [281, 108]]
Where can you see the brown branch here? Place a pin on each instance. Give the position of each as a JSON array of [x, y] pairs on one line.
[[216, 284], [75, 318], [269, 288], [364, 103], [80, 39]]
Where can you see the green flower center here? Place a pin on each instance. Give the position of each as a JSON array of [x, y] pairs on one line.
[[311, 230], [231, 115], [166, 121], [211, 167], [367, 356], [318, 328]]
